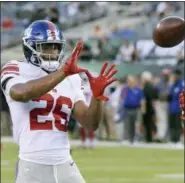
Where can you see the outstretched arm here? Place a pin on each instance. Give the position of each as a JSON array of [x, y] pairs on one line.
[[38, 87], [90, 117]]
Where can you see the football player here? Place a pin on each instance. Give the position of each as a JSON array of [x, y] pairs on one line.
[[42, 94], [182, 104]]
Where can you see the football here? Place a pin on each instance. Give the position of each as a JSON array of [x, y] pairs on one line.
[[169, 32]]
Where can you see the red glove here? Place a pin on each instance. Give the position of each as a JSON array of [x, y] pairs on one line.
[[182, 104], [98, 84], [70, 66]]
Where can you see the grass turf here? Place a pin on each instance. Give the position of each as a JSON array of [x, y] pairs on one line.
[[114, 165]]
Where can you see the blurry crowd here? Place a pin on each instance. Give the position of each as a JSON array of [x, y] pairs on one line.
[[66, 14], [142, 108], [147, 107], [127, 51], [161, 9], [101, 49], [66, 11]]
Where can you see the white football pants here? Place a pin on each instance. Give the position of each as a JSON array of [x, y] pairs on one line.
[[28, 172]]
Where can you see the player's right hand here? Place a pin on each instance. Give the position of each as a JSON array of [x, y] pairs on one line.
[[71, 66], [182, 104]]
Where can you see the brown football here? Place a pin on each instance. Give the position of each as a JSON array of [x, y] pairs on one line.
[[169, 32]]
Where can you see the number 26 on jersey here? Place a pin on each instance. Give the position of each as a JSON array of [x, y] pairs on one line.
[[60, 117]]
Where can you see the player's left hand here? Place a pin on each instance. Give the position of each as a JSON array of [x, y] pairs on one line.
[[105, 78], [182, 104]]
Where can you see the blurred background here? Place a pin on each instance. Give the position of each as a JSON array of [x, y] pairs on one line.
[[142, 110]]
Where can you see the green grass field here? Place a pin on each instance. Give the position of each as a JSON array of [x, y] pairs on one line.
[[114, 165]]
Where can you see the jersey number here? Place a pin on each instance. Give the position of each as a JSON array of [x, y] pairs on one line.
[[58, 115]]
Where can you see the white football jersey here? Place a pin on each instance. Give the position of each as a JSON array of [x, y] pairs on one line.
[[87, 92], [40, 125]]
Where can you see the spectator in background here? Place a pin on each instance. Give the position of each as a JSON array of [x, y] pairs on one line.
[[180, 57], [102, 7], [98, 31], [175, 122], [107, 49], [73, 8], [107, 119], [163, 9], [150, 94], [161, 105], [115, 103], [114, 29], [7, 23], [53, 15], [70, 45], [135, 54], [176, 5], [39, 14], [100, 46], [122, 33], [111, 109], [123, 92], [82, 7], [125, 53], [148, 9], [86, 55], [134, 100]]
